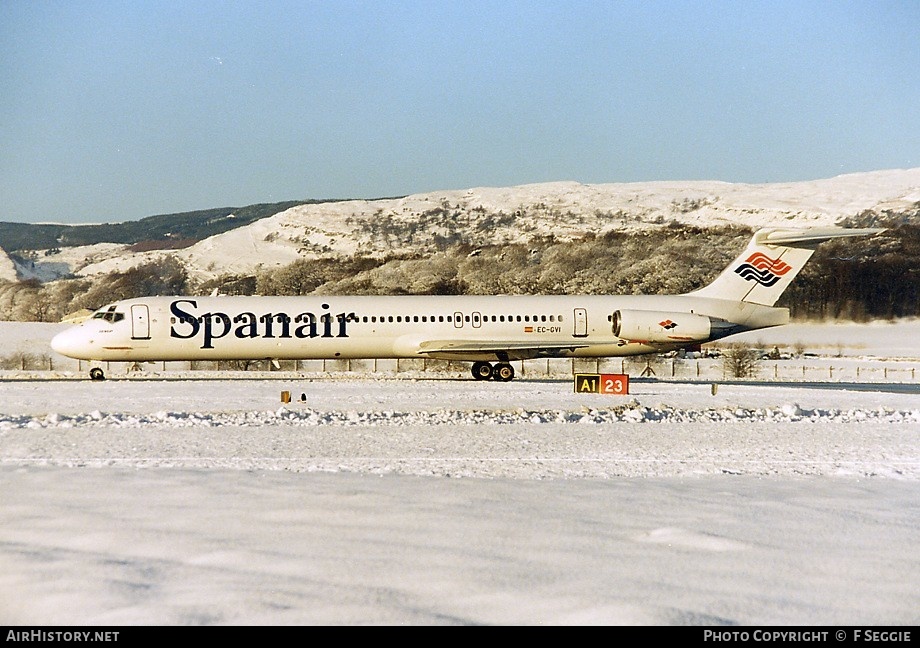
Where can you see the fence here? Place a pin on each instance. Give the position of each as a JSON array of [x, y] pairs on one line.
[[817, 369]]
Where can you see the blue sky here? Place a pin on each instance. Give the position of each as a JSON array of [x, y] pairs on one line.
[[112, 111]]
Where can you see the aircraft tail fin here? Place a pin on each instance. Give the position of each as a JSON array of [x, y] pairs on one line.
[[771, 261]]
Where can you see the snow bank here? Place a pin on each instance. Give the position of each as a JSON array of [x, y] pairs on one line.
[[631, 412]]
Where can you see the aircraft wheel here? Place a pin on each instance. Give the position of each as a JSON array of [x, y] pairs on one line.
[[96, 374], [482, 370], [503, 372]]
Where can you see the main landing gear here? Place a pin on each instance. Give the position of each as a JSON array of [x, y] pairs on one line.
[[502, 372], [96, 374]]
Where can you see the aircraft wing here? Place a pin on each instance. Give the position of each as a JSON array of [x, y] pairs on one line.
[[517, 350]]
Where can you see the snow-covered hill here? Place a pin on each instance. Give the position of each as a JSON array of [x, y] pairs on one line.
[[7, 267], [485, 215]]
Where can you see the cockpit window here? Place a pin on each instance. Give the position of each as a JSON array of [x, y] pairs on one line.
[[110, 315]]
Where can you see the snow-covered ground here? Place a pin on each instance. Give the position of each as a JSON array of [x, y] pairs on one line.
[[410, 500]]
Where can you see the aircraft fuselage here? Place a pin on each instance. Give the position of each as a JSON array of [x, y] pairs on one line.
[[227, 328]]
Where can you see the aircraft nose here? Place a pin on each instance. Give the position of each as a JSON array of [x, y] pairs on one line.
[[69, 343]]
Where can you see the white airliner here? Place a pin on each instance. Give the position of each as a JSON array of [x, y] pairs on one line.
[[489, 331]]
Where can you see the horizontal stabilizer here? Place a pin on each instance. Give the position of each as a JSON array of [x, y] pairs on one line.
[[811, 236]]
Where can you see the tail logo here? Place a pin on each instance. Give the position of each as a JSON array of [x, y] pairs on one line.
[[667, 324], [762, 269]]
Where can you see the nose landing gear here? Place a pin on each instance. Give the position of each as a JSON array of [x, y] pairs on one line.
[[502, 372], [96, 373]]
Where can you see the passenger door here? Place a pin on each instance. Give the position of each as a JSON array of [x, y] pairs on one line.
[[140, 322], [581, 323]]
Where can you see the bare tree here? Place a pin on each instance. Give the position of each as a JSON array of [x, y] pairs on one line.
[[740, 360], [23, 360]]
